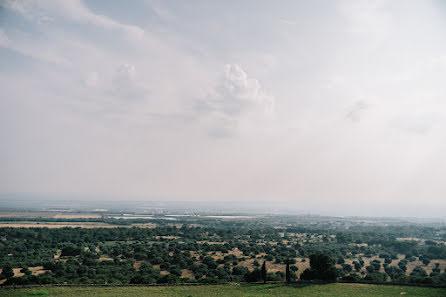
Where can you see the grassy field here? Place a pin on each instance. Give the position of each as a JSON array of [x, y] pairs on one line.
[[328, 290]]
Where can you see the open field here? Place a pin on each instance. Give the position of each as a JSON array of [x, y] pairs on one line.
[[86, 225], [56, 225], [328, 290], [49, 214]]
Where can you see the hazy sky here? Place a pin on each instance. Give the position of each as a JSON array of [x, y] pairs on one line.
[[320, 101]]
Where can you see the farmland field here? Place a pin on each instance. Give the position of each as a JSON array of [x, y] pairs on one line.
[[332, 290]]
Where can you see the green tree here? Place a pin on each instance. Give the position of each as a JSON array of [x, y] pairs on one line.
[[70, 250], [287, 272], [25, 270], [7, 272], [239, 270], [263, 272], [254, 276], [376, 276], [347, 268], [321, 268]]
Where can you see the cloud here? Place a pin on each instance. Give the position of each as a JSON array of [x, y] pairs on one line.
[[120, 94], [94, 77], [237, 93], [29, 10], [26, 47], [162, 12], [63, 44], [357, 110], [419, 124], [91, 79], [125, 85], [125, 72], [142, 109], [75, 10], [367, 17], [287, 22], [4, 40], [20, 7], [235, 98]]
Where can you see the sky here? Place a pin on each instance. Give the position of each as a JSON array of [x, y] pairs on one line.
[[324, 104]]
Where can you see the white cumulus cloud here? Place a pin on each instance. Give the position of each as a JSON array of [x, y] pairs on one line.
[[235, 98]]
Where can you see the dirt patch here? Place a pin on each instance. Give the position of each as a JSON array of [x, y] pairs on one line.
[[302, 265], [49, 225], [36, 270], [17, 272], [57, 255], [409, 239], [167, 237], [219, 255], [145, 225], [137, 265], [211, 242], [236, 252], [432, 265], [248, 264], [410, 265], [195, 255], [50, 214], [186, 273], [104, 258], [34, 214]]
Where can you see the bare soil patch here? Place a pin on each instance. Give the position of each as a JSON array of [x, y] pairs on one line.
[[17, 272], [104, 258], [167, 237], [211, 242], [137, 265], [36, 270], [186, 273], [57, 255]]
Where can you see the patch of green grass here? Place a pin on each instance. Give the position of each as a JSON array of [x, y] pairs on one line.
[[320, 290], [38, 293]]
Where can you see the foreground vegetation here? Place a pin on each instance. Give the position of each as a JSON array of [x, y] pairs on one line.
[[329, 290], [221, 250]]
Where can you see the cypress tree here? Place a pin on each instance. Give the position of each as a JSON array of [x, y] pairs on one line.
[[264, 272]]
